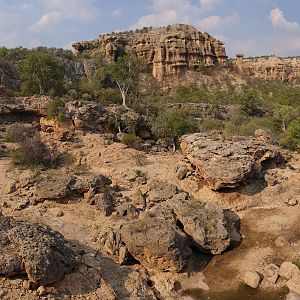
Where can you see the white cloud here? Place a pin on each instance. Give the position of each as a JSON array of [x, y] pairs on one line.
[[58, 10], [278, 20], [165, 12], [216, 22], [164, 18], [206, 5], [46, 20], [116, 13]]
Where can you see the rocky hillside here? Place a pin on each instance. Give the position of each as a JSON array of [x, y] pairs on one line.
[[269, 67], [167, 51], [110, 222]]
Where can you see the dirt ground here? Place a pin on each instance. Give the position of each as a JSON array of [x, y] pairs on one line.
[[263, 218]]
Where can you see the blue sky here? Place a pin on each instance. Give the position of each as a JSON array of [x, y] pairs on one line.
[[252, 27]]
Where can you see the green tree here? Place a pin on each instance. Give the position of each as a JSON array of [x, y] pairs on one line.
[[291, 139], [41, 74], [171, 125], [249, 102], [125, 72]]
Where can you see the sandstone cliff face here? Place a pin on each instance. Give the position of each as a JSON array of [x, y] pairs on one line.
[[167, 51], [269, 67]]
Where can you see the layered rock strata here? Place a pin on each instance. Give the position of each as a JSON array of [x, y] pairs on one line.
[[168, 51], [269, 67]]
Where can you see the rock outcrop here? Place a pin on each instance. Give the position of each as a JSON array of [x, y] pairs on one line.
[[58, 188], [229, 163], [23, 108], [269, 67], [157, 242], [33, 249], [87, 115], [205, 224], [168, 51]]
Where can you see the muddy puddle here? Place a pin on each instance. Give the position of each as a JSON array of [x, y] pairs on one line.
[[242, 293]]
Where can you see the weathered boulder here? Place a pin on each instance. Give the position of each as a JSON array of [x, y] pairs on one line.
[[271, 275], [34, 249], [229, 163], [157, 242], [204, 223], [294, 284], [288, 270], [61, 186], [252, 279], [159, 192], [88, 115]]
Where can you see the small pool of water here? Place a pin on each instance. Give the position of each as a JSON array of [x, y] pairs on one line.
[[242, 293]]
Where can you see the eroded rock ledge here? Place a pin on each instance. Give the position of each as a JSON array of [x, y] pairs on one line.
[[228, 163]]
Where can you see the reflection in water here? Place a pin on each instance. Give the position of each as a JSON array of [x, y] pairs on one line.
[[242, 293]]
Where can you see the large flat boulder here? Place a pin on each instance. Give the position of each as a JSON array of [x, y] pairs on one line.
[[33, 249], [157, 243], [228, 163], [204, 223]]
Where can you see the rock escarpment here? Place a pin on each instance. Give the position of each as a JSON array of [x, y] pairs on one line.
[[269, 67], [168, 51], [228, 164]]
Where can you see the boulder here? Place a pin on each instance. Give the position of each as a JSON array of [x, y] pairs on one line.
[[204, 223], [288, 270], [157, 243], [292, 296], [244, 158], [294, 284], [60, 186], [159, 192], [252, 279], [181, 172], [270, 275], [33, 249], [104, 203]]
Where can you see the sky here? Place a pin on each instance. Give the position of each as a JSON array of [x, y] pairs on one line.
[[252, 27]]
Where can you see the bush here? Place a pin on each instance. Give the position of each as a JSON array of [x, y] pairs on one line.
[[171, 125], [131, 140], [212, 124], [31, 151], [56, 109], [41, 73], [291, 140], [18, 132]]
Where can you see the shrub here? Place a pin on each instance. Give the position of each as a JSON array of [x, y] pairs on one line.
[[171, 125], [33, 152], [291, 140], [41, 73], [131, 140], [56, 109], [18, 132], [249, 103], [212, 124]]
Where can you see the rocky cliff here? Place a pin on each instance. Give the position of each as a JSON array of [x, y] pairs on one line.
[[269, 67], [167, 51]]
